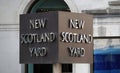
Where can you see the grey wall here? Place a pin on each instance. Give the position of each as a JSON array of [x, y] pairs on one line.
[[91, 4], [9, 52]]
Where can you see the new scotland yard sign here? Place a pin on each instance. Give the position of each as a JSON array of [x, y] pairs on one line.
[[56, 37]]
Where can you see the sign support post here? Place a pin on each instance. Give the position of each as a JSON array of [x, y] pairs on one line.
[[57, 68]]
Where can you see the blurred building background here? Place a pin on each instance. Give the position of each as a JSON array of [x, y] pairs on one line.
[[106, 29]]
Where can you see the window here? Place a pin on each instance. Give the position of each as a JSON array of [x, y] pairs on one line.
[[46, 68], [66, 68], [106, 44]]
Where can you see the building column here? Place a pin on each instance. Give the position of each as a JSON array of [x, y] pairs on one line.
[[81, 68]]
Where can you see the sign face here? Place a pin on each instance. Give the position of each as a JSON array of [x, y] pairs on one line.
[[38, 38], [76, 38], [56, 37]]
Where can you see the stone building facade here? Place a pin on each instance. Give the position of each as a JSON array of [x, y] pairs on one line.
[[106, 26]]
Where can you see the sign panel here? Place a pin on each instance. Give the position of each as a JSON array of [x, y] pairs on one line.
[[38, 38], [56, 37], [75, 40]]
